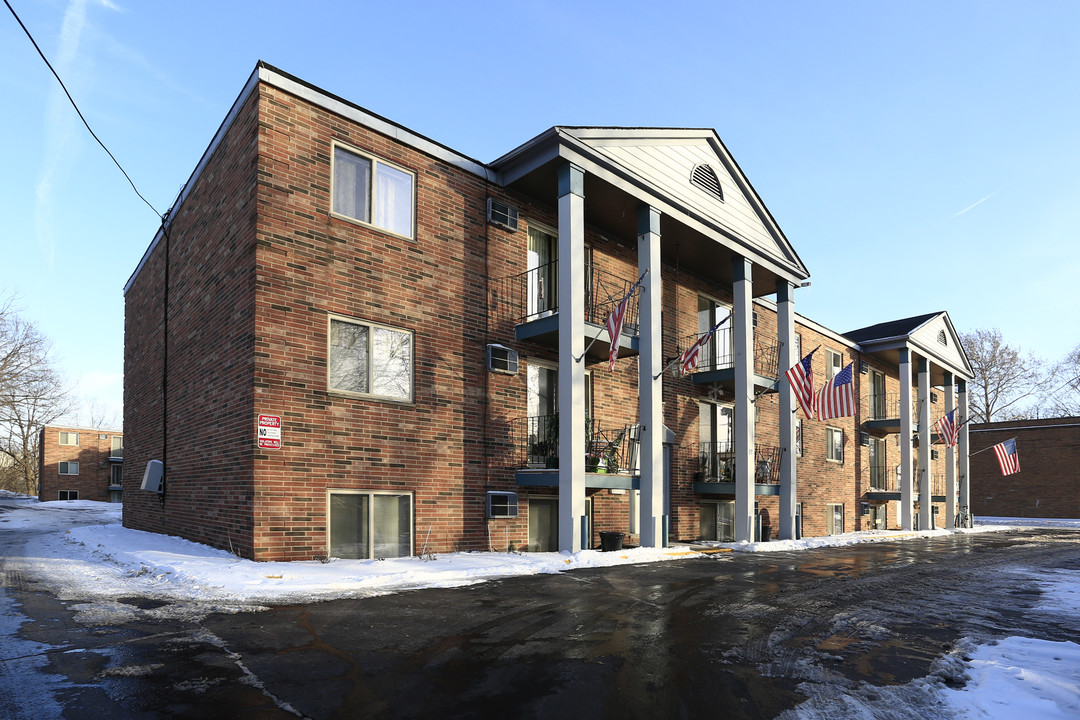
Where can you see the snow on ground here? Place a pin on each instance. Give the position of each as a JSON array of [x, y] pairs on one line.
[[107, 563]]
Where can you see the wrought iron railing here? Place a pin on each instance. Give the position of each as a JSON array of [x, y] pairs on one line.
[[716, 462], [886, 406], [533, 294], [718, 353], [608, 448], [882, 479]]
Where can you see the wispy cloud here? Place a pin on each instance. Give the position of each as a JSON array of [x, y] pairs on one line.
[[976, 203]]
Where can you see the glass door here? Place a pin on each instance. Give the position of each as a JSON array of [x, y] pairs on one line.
[[717, 353], [541, 297], [543, 524]]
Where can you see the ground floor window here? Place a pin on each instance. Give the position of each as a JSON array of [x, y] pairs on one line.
[[717, 521], [67, 495], [834, 519], [370, 524]]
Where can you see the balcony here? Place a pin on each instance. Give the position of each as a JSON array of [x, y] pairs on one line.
[[885, 485], [611, 452], [716, 360], [712, 466], [530, 300]]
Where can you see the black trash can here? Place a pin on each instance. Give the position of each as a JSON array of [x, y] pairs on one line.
[[611, 541]]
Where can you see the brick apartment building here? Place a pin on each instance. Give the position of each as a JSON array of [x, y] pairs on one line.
[[354, 341], [76, 463], [1048, 484]]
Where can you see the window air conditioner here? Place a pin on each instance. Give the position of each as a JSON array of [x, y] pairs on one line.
[[502, 360], [501, 214]]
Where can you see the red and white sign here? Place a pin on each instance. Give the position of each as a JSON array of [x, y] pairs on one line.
[[270, 432]]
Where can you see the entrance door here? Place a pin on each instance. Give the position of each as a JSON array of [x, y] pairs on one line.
[[718, 521], [543, 524], [878, 520]]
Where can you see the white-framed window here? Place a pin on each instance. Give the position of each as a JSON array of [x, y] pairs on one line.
[[369, 359], [67, 495], [373, 191], [834, 444], [69, 468], [502, 504], [366, 524], [798, 437], [116, 442], [834, 363], [69, 438], [834, 518]]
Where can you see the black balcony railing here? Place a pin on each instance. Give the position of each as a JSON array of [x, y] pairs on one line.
[[715, 462], [882, 479], [718, 353], [533, 294], [885, 406], [608, 448]]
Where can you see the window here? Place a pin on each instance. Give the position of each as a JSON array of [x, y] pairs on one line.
[[834, 519], [387, 202], [834, 444], [834, 363], [67, 495], [116, 475], [542, 291], [368, 359], [798, 437], [69, 468], [879, 476], [502, 504], [116, 443], [718, 352], [365, 525], [69, 438]]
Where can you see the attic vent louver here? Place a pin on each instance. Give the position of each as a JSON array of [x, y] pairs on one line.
[[502, 214], [941, 338], [705, 178]]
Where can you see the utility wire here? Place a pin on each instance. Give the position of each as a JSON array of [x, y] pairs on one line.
[[79, 112]]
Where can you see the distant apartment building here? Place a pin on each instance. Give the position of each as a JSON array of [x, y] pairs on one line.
[[353, 341], [77, 463]]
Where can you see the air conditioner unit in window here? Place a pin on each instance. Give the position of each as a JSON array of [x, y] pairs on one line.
[[502, 359], [502, 504], [933, 455], [501, 214], [864, 367], [864, 438]]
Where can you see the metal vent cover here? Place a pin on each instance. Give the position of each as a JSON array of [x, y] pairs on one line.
[[705, 178]]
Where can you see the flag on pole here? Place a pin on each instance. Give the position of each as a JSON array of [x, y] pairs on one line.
[[615, 323], [689, 358], [801, 377], [1007, 457], [837, 398], [947, 428]]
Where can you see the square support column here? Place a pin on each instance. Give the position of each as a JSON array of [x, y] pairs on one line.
[[571, 392], [650, 387], [963, 446], [926, 437], [907, 505], [950, 457], [785, 333], [743, 342]]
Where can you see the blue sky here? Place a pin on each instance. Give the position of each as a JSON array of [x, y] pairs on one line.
[[920, 156]]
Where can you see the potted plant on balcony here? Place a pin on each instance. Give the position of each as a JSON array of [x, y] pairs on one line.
[[551, 443], [702, 466], [611, 452]]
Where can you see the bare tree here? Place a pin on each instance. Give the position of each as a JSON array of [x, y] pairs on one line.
[[1004, 377], [1063, 397], [31, 396]]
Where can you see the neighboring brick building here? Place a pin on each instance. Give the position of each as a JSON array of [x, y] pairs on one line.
[[77, 463], [1048, 484], [370, 336]]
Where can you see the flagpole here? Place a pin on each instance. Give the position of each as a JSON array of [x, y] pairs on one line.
[[679, 356], [630, 292], [797, 405], [972, 454]]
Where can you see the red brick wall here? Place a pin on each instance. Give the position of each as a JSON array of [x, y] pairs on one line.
[[92, 453], [1048, 484]]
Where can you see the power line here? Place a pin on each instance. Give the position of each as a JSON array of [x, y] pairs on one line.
[[79, 112]]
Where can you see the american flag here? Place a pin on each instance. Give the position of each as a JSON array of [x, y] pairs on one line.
[[689, 358], [615, 323], [801, 377], [947, 427], [837, 398], [1007, 457]]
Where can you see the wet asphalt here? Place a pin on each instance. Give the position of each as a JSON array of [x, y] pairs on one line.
[[729, 635]]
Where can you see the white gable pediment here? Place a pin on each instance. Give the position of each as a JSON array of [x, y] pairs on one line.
[[938, 339]]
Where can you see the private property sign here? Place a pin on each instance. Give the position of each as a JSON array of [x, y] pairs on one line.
[[270, 432]]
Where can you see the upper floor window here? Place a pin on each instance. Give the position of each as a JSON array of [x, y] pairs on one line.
[[116, 443], [69, 438], [373, 191], [369, 359], [834, 363], [834, 444]]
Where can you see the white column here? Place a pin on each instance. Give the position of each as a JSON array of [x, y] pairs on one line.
[[650, 387], [950, 456], [907, 506], [963, 447], [785, 334], [925, 439], [571, 279], [743, 331]]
